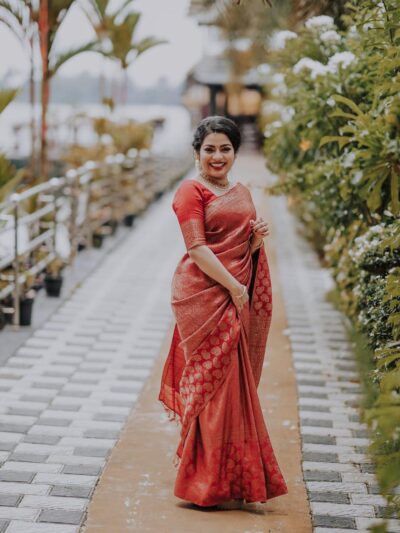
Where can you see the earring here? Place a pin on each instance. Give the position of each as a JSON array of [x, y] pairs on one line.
[[197, 163]]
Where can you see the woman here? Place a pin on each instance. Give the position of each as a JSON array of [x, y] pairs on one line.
[[221, 299]]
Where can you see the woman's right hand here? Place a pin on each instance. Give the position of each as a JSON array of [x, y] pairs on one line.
[[239, 296]]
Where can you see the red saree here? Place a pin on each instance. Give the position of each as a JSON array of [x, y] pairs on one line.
[[214, 364]]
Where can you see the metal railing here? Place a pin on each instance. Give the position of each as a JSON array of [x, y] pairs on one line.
[[51, 221]]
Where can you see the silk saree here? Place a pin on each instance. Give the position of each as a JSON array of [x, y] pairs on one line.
[[210, 377]]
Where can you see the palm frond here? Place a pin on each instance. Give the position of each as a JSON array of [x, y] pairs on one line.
[[63, 58]]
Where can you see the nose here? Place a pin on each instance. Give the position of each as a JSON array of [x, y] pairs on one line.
[[217, 156]]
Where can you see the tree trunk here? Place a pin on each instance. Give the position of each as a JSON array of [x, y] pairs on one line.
[[44, 50], [32, 98]]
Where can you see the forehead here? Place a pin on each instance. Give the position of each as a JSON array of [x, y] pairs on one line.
[[216, 139]]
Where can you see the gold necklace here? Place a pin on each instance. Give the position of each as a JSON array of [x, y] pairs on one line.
[[207, 179]]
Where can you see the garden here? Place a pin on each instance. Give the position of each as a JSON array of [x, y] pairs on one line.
[[331, 121]]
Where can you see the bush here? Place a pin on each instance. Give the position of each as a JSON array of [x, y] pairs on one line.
[[332, 134]]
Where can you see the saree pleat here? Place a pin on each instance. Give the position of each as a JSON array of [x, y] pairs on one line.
[[215, 360]]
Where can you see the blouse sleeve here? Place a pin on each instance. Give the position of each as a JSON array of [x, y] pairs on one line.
[[188, 205]]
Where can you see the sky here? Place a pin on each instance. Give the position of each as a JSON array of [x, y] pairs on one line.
[[163, 19]]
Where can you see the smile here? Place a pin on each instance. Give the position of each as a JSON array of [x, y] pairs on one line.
[[217, 166]]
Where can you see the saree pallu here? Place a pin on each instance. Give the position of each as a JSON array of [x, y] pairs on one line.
[[214, 364]]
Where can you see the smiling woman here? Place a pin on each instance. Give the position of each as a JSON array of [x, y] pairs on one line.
[[222, 303]]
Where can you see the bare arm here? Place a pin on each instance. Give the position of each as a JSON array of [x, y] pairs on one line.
[[209, 263]]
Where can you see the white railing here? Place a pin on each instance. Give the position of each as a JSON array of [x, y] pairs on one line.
[[50, 221]]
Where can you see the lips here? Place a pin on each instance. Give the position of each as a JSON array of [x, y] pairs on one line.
[[217, 166]]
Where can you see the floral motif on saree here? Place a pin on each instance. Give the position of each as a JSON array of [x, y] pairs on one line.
[[216, 356]]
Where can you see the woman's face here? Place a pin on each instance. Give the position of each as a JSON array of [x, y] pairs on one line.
[[216, 155]]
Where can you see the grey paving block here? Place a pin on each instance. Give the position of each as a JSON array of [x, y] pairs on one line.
[[58, 516], [64, 407], [368, 468], [321, 475], [88, 470], [89, 451], [361, 433], [14, 428], [315, 408], [109, 417], [20, 477], [311, 382], [23, 411], [76, 491], [323, 457], [28, 457], [101, 434], [318, 439], [316, 395], [10, 500], [41, 439], [36, 398], [3, 525], [334, 521], [7, 446], [117, 403], [334, 497], [74, 394], [61, 422], [314, 422], [45, 385]]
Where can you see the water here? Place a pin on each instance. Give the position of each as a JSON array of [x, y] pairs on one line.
[[172, 138]]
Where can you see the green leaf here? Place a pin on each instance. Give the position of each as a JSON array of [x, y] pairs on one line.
[[342, 140]]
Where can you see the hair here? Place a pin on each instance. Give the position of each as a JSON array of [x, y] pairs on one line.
[[217, 124]]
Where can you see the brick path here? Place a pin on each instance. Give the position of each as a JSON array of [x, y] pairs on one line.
[[65, 394], [342, 488]]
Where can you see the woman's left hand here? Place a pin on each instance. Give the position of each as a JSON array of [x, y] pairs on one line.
[[259, 228]]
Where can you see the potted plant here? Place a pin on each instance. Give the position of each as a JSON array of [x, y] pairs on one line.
[[53, 278]]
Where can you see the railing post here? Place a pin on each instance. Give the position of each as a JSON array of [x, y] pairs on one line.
[[16, 316]]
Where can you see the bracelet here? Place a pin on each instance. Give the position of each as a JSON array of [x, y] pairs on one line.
[[244, 290]]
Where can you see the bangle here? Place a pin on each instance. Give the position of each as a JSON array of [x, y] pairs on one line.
[[244, 290]]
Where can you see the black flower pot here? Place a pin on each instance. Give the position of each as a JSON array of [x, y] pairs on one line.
[[53, 285], [97, 240], [128, 220], [3, 321], [81, 246], [113, 225], [25, 311]]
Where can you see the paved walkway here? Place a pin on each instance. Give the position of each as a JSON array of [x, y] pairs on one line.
[[67, 392]]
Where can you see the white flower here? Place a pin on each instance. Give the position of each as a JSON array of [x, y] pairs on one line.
[[321, 21], [352, 32], [330, 36], [278, 39], [278, 78], [270, 107], [344, 59], [331, 102], [264, 69], [357, 177], [348, 159], [316, 68], [287, 114]]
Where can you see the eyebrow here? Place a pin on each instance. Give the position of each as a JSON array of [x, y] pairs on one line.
[[222, 145]]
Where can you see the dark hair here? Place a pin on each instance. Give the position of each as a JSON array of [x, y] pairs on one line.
[[217, 124]]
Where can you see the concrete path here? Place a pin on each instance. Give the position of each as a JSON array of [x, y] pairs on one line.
[[68, 392], [135, 492]]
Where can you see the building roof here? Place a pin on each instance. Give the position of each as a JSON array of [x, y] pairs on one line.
[[214, 70]]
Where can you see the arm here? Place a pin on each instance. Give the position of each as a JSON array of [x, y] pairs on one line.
[[209, 263]]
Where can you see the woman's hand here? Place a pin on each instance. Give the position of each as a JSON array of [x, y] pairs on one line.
[[259, 228], [239, 296]]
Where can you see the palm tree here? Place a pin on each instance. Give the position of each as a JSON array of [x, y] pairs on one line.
[[21, 18], [52, 14], [117, 29]]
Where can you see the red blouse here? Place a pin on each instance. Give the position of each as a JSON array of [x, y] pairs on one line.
[[188, 204]]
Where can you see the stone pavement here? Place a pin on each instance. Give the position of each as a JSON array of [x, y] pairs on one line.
[[342, 489], [67, 391], [65, 394]]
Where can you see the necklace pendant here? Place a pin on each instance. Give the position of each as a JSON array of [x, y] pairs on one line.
[[205, 178]]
